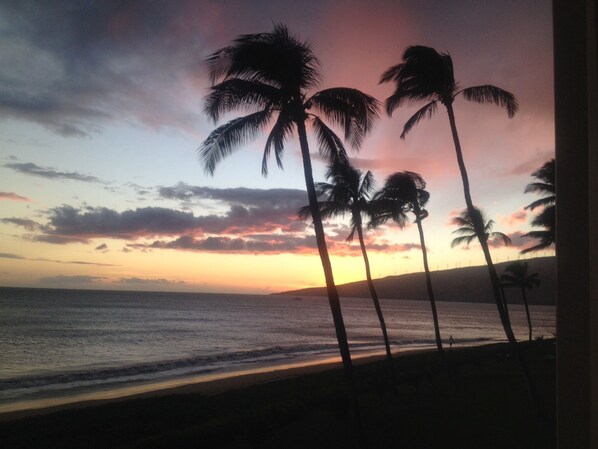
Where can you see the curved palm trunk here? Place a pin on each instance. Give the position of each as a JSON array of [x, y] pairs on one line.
[[429, 283], [529, 319], [374, 295], [333, 298], [479, 230], [494, 280]]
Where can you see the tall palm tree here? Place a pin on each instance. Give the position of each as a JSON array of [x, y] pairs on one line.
[[467, 231], [270, 75], [426, 75], [349, 192], [545, 185], [515, 275], [406, 192]]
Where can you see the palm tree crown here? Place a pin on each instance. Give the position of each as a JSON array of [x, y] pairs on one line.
[[466, 230], [426, 75], [515, 275], [268, 75], [545, 185], [349, 191]]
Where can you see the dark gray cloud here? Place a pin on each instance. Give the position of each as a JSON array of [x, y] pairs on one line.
[[11, 256], [70, 65], [43, 259], [26, 223], [271, 244], [143, 281], [74, 279], [102, 247], [286, 198], [250, 211], [29, 168]]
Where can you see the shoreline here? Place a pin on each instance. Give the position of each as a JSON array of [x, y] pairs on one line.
[[206, 384], [433, 404]]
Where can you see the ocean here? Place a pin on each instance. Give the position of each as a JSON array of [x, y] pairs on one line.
[[60, 345]]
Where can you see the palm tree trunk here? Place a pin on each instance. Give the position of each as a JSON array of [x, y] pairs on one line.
[[374, 294], [494, 280], [529, 319], [479, 230], [333, 298], [429, 282]]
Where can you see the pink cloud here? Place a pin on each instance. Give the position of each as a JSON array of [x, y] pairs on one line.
[[516, 218], [13, 197]]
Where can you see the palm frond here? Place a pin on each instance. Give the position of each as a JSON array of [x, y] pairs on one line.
[[354, 111], [329, 144], [239, 94], [226, 138], [547, 238], [304, 212], [540, 187], [542, 202], [275, 58], [367, 185], [428, 110], [467, 239], [281, 130], [500, 236], [492, 94]]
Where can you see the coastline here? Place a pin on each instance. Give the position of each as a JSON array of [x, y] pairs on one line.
[[208, 384], [435, 405]]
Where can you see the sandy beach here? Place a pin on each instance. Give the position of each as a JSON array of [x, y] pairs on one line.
[[477, 399]]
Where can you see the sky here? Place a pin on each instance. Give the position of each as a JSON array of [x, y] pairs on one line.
[[101, 115]]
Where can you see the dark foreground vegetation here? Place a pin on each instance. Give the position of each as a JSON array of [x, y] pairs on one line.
[[478, 400]]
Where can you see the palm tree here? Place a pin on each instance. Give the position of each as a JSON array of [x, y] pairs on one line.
[[402, 193], [546, 176], [269, 75], [428, 75], [349, 192], [515, 275], [467, 232]]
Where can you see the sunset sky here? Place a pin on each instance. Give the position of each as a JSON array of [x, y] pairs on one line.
[[101, 114]]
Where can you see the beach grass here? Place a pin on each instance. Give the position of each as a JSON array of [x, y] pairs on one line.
[[477, 399]]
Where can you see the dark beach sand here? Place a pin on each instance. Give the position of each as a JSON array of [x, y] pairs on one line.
[[479, 400]]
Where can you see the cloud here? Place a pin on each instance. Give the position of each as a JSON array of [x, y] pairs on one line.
[[516, 218], [286, 198], [29, 168], [11, 256], [72, 279], [13, 197], [100, 63], [102, 247], [43, 259], [142, 281], [26, 223]]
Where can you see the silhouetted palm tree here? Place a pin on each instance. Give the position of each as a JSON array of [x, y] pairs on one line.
[[546, 219], [467, 232], [269, 75], [349, 192], [426, 75], [515, 275], [406, 192]]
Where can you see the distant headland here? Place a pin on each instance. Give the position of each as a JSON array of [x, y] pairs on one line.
[[469, 284]]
